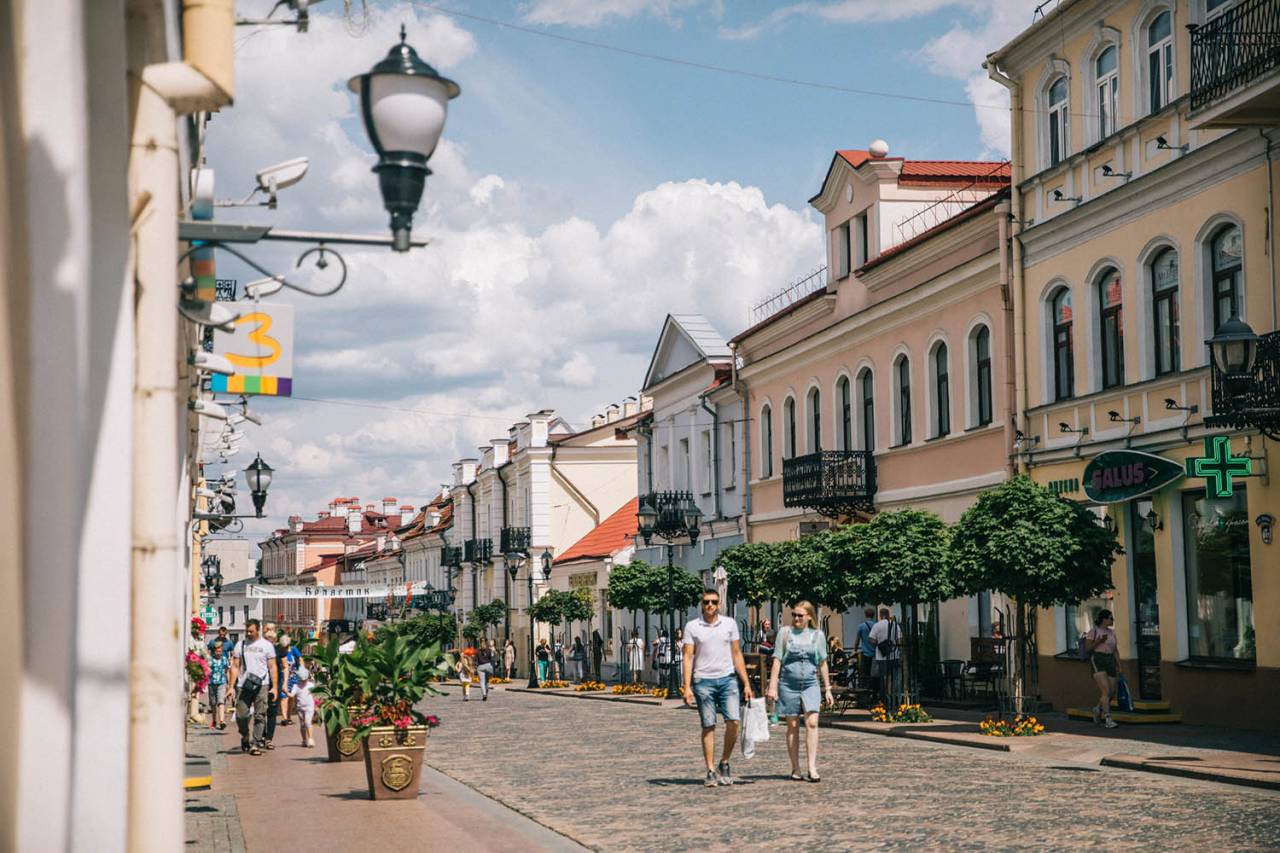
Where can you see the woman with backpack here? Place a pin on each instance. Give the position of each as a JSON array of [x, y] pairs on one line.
[[1099, 644]]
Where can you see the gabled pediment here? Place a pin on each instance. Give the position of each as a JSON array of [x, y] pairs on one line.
[[686, 339]]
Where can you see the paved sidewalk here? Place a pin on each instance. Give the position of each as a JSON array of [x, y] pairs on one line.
[[293, 797]]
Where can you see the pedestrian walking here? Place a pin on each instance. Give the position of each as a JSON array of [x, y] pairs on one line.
[[713, 666], [484, 667], [597, 654], [559, 658], [219, 662], [635, 656], [886, 638], [270, 634], [509, 659], [866, 650], [544, 659], [305, 704], [289, 657], [1100, 645], [579, 656], [466, 671], [255, 676], [223, 638], [799, 664]]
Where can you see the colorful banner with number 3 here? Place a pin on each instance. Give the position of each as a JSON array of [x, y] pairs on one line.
[[260, 348]]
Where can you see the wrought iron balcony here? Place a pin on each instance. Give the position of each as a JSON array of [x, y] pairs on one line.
[[515, 540], [478, 551], [1231, 52], [1252, 400], [832, 482], [451, 555]]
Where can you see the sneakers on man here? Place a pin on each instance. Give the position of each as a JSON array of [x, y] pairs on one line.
[[726, 775], [712, 779], [1110, 723]]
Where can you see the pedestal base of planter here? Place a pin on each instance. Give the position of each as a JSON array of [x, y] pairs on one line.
[[393, 761], [343, 745]]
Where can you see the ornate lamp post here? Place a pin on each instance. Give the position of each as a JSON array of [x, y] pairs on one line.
[[404, 103], [258, 476], [669, 516], [1245, 378]]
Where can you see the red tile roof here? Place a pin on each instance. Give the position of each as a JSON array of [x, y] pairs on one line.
[[950, 171], [609, 537]]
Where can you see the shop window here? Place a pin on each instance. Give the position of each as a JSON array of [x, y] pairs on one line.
[[1219, 578], [1111, 328]]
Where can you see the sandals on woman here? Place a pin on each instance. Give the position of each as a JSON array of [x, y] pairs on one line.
[[796, 777]]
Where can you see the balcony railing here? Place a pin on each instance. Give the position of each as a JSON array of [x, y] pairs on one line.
[[451, 555], [832, 482], [478, 551], [1234, 49], [515, 540]]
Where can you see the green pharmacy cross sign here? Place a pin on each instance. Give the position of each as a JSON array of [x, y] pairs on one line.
[[1218, 466]]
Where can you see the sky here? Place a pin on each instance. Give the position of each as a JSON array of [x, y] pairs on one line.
[[582, 190]]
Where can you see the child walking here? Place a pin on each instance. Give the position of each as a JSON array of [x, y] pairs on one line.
[[305, 704]]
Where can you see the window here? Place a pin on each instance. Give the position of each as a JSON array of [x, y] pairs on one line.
[[862, 246], [843, 400], [982, 362], [1058, 139], [866, 384], [1219, 580], [682, 463], [902, 375], [815, 420], [1164, 310], [1160, 61], [664, 468], [1226, 254], [730, 455], [841, 248], [1111, 328], [1064, 369], [766, 443], [1079, 619], [941, 392], [789, 428], [708, 460], [1107, 81]]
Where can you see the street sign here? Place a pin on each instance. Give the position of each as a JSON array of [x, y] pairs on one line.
[[260, 348], [1218, 466], [1115, 476]]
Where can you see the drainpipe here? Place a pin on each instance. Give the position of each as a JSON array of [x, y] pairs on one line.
[[1271, 225], [1019, 307], [740, 386], [1010, 385], [574, 490], [715, 449]]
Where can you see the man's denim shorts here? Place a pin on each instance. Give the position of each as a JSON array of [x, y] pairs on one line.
[[717, 694]]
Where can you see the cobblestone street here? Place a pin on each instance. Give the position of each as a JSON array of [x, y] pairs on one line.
[[628, 777]]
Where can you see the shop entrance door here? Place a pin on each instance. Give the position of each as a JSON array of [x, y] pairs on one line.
[[1142, 522]]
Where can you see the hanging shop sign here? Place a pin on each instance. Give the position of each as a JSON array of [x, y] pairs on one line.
[[1218, 466], [1115, 476], [260, 348], [359, 590]]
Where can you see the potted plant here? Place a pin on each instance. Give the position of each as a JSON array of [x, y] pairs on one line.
[[334, 688], [391, 677]]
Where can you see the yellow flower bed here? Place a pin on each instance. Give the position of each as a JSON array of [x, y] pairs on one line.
[[904, 714], [1020, 727], [639, 690], [589, 687], [553, 685]]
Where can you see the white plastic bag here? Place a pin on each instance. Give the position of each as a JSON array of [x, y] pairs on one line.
[[755, 726]]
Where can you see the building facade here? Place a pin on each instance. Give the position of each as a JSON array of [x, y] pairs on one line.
[[1142, 202]]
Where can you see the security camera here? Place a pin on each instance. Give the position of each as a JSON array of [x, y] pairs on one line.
[[208, 408], [215, 314], [229, 477], [272, 179], [232, 434], [235, 419], [202, 492], [263, 287], [201, 360]]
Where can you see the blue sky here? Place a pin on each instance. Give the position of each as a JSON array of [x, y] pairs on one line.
[[579, 195]]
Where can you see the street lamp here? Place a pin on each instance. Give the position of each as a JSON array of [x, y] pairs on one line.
[[404, 103], [514, 560], [669, 516], [258, 476], [1234, 347], [212, 566]]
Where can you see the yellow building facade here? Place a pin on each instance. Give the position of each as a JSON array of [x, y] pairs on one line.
[[1143, 197]]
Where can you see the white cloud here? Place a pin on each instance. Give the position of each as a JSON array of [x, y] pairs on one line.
[[593, 13]]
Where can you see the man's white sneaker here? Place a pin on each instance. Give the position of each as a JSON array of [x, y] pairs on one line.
[[712, 779], [1110, 723], [726, 775]]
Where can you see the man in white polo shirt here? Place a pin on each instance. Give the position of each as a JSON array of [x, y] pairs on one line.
[[712, 666]]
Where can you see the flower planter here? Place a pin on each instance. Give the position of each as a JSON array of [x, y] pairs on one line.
[[393, 761], [344, 745]]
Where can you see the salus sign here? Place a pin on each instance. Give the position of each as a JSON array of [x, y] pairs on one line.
[[1116, 476]]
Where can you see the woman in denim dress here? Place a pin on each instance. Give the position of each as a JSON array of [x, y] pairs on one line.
[[799, 663]]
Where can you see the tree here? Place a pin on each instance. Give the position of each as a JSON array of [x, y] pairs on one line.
[[804, 570], [483, 617], [628, 585], [549, 609], [423, 630], [575, 606], [749, 568], [686, 590], [1022, 540]]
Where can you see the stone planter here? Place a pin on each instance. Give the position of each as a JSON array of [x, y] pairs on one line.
[[393, 761], [343, 746]]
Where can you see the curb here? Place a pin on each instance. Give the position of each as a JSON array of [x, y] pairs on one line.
[[599, 696], [1135, 763]]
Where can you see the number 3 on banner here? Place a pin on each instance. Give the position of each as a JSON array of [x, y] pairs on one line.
[[260, 337]]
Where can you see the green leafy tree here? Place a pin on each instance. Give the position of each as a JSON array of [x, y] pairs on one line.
[[576, 606], [901, 556], [549, 608], [686, 589], [483, 617], [804, 569], [423, 630], [749, 568], [628, 585]]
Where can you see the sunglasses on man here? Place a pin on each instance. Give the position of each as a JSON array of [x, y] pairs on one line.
[[710, 602]]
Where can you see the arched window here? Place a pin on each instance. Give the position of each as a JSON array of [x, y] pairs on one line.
[[1064, 368], [1226, 252], [867, 391], [815, 420], [1164, 310], [1111, 328], [789, 428], [1057, 130], [845, 403], [982, 374], [902, 379], [766, 443], [1107, 80], [1160, 61], [941, 392]]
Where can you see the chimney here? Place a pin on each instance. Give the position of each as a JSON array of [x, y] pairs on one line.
[[467, 468], [295, 523], [611, 412], [538, 425], [353, 522], [433, 517], [597, 420], [323, 514], [501, 451], [407, 511], [630, 406], [389, 505], [370, 507], [646, 403]]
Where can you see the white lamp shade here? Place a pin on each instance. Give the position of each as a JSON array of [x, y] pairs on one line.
[[408, 111]]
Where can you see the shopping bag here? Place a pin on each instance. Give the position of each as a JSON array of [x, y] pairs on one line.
[[1124, 698], [755, 727]]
